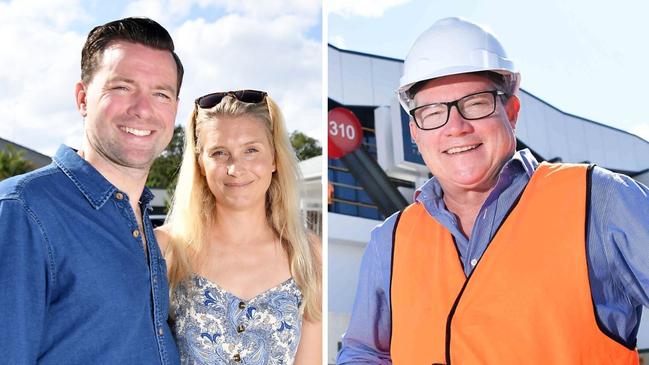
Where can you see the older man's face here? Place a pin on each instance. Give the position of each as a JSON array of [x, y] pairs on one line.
[[466, 155]]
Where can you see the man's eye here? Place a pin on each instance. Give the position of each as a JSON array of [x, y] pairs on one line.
[[163, 96]]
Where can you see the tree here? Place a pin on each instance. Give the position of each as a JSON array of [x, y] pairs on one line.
[[164, 171], [13, 163], [305, 146]]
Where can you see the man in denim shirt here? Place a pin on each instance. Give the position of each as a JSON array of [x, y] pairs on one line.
[[81, 275]]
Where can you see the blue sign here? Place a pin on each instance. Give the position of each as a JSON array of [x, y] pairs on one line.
[[410, 150]]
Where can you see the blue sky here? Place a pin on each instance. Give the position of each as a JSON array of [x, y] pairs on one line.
[[224, 45], [586, 58]]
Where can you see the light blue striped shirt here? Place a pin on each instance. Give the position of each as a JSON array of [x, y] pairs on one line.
[[618, 255]]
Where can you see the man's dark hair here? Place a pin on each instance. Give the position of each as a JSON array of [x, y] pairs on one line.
[[142, 31]]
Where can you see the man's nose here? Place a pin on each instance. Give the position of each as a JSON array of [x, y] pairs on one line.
[[141, 106], [456, 124]]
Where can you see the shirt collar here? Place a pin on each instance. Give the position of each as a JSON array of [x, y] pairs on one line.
[[432, 191], [93, 185]]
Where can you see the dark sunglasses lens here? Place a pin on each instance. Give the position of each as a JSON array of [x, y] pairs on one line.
[[209, 101], [250, 96]]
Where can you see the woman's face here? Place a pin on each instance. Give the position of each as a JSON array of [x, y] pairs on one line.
[[237, 161]]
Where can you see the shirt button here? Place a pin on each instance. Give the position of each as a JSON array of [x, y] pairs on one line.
[[160, 331], [136, 233], [242, 305], [119, 196], [236, 357], [474, 262], [241, 328]]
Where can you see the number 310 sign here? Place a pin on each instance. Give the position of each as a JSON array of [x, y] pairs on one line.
[[345, 132]]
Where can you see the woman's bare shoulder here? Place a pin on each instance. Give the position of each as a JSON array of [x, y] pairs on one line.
[[163, 237]]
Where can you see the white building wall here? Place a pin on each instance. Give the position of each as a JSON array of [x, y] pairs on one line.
[[553, 133], [346, 245]]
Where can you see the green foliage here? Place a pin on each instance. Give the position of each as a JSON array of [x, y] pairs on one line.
[[164, 171], [305, 146], [13, 163]]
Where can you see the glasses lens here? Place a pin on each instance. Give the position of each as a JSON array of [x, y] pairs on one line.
[[250, 96], [246, 96], [477, 106], [431, 116], [210, 100]]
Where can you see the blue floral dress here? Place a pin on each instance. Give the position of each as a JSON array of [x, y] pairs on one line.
[[212, 326]]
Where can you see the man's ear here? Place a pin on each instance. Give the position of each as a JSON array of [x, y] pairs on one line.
[[80, 98], [413, 130], [512, 108]]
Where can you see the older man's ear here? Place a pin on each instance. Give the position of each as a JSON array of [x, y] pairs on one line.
[[512, 107]]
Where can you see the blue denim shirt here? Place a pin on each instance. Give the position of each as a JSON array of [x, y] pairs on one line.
[[76, 284], [617, 246]]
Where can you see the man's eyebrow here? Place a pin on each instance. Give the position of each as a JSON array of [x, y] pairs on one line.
[[128, 80], [166, 87], [121, 79]]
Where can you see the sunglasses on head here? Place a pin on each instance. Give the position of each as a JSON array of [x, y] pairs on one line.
[[247, 96]]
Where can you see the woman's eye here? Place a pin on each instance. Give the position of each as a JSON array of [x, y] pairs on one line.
[[218, 153]]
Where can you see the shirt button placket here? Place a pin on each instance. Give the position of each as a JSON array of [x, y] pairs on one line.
[[240, 329]]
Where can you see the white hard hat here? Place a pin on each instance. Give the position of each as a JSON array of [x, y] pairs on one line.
[[454, 46]]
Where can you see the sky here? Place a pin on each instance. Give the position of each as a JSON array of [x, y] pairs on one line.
[[224, 45], [586, 58]]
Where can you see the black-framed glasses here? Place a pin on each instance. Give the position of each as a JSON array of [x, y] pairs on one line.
[[247, 96], [471, 107]]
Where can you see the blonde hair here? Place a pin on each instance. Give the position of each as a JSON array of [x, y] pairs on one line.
[[193, 203]]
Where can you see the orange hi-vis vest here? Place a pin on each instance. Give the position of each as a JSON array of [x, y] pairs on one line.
[[528, 299]]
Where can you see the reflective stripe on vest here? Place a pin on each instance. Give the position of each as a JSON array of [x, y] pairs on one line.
[[527, 300]]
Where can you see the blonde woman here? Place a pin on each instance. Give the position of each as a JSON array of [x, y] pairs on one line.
[[245, 276]]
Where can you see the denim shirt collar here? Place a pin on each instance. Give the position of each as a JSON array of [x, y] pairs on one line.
[[432, 193], [93, 185]]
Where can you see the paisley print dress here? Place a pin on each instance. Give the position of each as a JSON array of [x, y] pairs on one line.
[[213, 326]]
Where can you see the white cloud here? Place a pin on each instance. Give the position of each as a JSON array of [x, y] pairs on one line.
[[640, 130], [163, 11], [37, 75], [246, 49], [238, 51], [268, 9], [364, 8], [338, 41]]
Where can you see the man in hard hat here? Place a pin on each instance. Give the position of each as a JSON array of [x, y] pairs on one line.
[[500, 260]]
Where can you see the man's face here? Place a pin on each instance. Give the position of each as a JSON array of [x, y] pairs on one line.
[[129, 106], [466, 155]]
